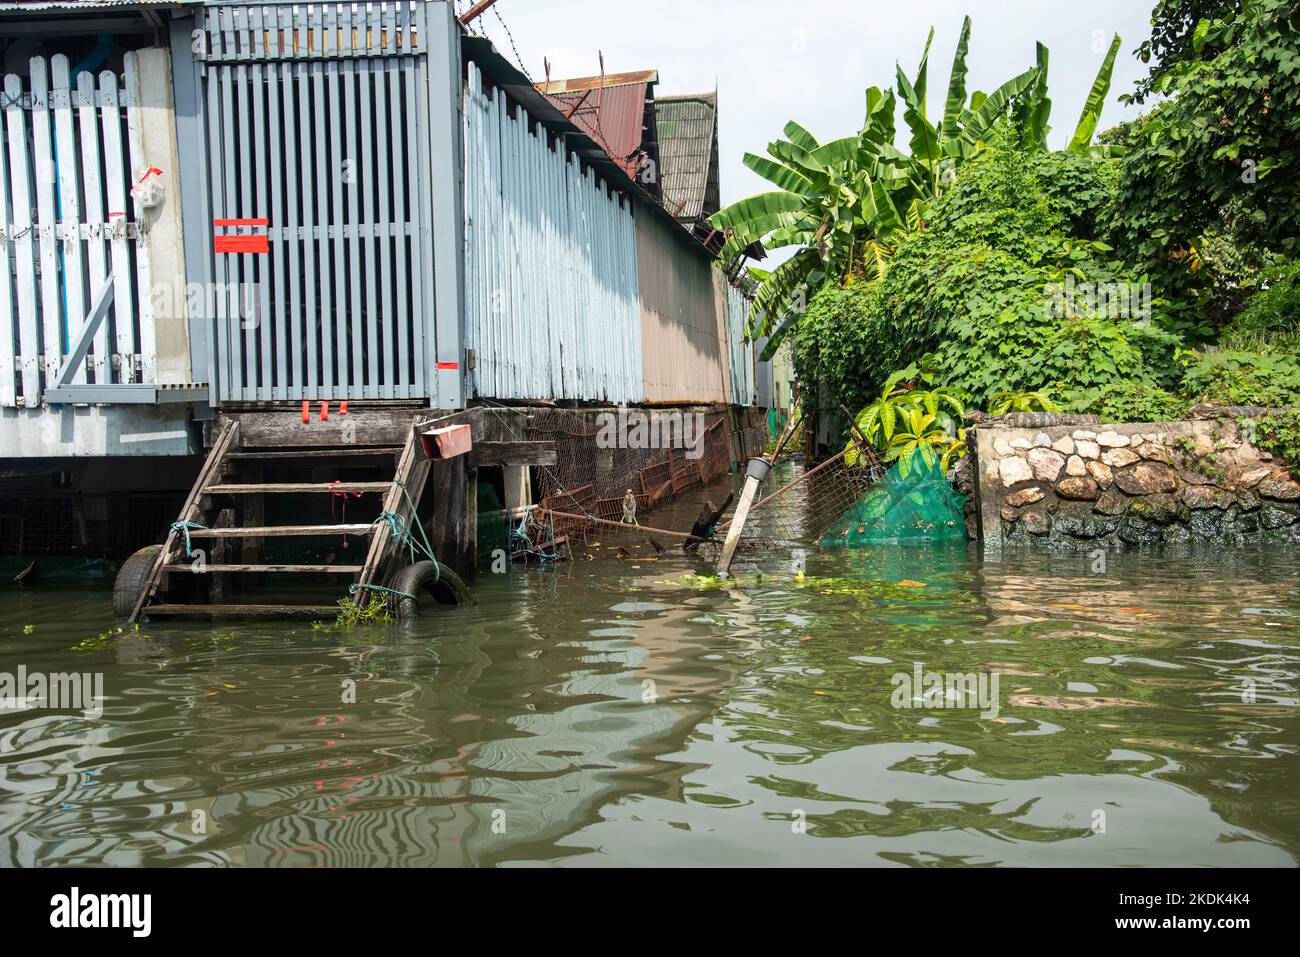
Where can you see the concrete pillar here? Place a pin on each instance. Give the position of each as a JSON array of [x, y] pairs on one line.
[[153, 116], [518, 488]]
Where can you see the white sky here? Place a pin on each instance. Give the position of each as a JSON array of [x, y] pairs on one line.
[[772, 61]]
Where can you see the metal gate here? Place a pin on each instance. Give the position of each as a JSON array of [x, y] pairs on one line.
[[318, 178]]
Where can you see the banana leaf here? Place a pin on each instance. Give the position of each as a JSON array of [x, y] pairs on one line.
[[1096, 100]]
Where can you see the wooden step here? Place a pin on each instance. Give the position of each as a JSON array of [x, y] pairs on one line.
[[245, 611], [254, 488], [383, 451], [206, 569], [280, 531]]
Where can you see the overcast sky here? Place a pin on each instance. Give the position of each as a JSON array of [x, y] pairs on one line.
[[772, 61]]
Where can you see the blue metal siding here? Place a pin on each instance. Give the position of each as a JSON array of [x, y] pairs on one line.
[[741, 352], [551, 294]]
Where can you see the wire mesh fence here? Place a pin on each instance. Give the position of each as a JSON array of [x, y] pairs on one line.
[[802, 502], [606, 494]]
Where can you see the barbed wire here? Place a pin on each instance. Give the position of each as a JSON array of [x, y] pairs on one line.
[[509, 36]]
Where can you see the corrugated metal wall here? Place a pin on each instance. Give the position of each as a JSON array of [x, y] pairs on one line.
[[682, 332], [550, 266], [741, 353]]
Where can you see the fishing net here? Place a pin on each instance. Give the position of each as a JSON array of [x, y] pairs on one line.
[[626, 500], [913, 502], [800, 501]]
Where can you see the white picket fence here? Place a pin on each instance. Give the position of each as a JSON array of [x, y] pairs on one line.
[[69, 156]]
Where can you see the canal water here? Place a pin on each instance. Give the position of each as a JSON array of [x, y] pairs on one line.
[[635, 713]]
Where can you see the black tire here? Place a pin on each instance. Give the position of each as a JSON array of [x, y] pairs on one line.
[[132, 579], [425, 580]]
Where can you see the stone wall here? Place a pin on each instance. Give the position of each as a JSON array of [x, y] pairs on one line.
[[1089, 485]]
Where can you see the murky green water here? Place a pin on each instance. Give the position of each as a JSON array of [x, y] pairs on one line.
[[618, 713]]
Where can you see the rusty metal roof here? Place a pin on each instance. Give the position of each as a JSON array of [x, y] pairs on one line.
[[546, 110], [637, 78], [612, 111], [687, 126]]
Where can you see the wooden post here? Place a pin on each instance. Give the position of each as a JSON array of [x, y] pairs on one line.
[[454, 528]]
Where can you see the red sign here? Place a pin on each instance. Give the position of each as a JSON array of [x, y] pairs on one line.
[[256, 242]]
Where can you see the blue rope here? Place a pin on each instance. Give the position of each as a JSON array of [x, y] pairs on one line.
[[521, 534], [185, 527], [397, 528], [354, 588]]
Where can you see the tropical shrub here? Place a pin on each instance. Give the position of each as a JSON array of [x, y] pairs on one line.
[[1236, 377], [837, 341], [1128, 400], [1224, 151], [990, 289], [906, 418], [1278, 434], [1271, 315], [1037, 401], [843, 206]]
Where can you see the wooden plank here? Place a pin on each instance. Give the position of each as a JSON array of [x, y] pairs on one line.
[[8, 344], [280, 531], [244, 611], [97, 254], [226, 437], [513, 454], [321, 454], [43, 162], [449, 532], [372, 426], [115, 187], [293, 488], [147, 346], [377, 558], [208, 569], [29, 350]]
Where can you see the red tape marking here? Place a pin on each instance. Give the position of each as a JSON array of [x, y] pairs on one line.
[[241, 222], [448, 365], [241, 244]]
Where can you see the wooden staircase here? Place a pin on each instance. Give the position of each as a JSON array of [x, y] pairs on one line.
[[227, 516]]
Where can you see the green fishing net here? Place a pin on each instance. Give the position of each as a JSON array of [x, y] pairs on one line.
[[913, 502]]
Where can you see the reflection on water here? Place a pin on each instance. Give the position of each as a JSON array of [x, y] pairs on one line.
[[627, 713]]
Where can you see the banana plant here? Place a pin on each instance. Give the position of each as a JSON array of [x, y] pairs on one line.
[[843, 206]]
